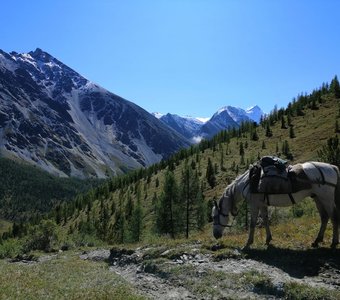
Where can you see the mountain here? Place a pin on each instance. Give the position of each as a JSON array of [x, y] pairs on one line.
[[53, 117], [195, 129], [255, 113], [186, 126]]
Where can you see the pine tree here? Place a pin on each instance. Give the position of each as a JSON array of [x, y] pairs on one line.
[[331, 151], [136, 223], [210, 174], [283, 122], [335, 87], [291, 132], [255, 136], [222, 159], [166, 211], [201, 210], [289, 120], [241, 149], [269, 132]]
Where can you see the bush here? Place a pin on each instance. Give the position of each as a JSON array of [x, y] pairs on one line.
[[10, 248], [44, 236]]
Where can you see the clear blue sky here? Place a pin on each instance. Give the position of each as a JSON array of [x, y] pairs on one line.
[[181, 56]]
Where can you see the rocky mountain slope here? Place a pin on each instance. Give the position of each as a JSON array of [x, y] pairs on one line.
[[53, 117]]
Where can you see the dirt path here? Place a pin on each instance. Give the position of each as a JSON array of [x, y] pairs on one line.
[[189, 273]]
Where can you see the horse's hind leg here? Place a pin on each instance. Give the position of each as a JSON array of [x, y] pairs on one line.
[[254, 212], [324, 220], [264, 214], [335, 223]]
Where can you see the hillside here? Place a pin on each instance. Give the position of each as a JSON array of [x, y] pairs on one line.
[[296, 133], [26, 192]]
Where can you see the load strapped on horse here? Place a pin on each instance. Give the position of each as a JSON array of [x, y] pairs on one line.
[[273, 175]]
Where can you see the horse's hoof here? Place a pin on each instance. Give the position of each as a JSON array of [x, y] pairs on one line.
[[315, 245], [216, 247], [246, 248], [268, 242], [333, 245]]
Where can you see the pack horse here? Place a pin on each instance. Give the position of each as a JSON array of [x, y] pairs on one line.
[[271, 183]]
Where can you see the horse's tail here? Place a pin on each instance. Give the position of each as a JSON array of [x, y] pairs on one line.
[[337, 195]]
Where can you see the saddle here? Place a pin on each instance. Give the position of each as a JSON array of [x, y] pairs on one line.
[[272, 175]]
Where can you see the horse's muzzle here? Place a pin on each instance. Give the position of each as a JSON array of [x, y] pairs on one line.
[[217, 233]]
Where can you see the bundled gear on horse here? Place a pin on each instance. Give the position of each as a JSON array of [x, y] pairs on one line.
[[273, 175]]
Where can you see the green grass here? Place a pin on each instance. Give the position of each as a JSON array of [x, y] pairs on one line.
[[65, 276], [296, 291]]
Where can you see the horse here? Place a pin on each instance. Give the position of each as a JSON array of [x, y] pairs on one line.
[[323, 185]]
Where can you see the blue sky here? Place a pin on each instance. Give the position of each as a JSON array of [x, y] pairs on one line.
[[181, 56]]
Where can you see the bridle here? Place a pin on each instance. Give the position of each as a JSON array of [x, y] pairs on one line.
[[216, 219], [233, 210]]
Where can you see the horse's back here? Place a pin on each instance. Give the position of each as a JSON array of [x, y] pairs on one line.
[[319, 172]]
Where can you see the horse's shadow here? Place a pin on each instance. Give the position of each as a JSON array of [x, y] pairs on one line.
[[297, 263]]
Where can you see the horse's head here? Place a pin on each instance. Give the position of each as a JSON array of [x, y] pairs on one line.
[[220, 215]]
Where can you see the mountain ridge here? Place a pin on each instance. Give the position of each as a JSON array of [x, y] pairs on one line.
[[53, 117], [226, 117]]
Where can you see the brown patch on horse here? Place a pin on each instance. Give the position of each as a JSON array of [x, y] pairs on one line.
[[298, 178]]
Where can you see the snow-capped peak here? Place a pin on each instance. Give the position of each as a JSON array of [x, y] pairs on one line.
[[255, 113], [158, 115]]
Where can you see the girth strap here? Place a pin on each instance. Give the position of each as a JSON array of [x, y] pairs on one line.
[[291, 198], [266, 198]]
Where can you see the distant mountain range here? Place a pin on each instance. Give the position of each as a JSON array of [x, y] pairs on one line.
[[196, 129], [53, 117]]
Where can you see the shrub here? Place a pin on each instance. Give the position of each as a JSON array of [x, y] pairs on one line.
[[44, 236], [10, 248]]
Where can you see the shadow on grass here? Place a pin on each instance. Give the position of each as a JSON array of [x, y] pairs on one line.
[[298, 263]]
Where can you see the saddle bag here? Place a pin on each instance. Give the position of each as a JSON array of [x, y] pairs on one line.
[[274, 181], [270, 176]]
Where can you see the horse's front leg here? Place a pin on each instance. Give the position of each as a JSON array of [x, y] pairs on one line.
[[264, 214], [324, 220], [254, 212]]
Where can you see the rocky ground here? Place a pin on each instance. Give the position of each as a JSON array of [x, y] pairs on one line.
[[197, 272]]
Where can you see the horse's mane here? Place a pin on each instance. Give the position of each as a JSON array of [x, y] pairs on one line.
[[236, 180]]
